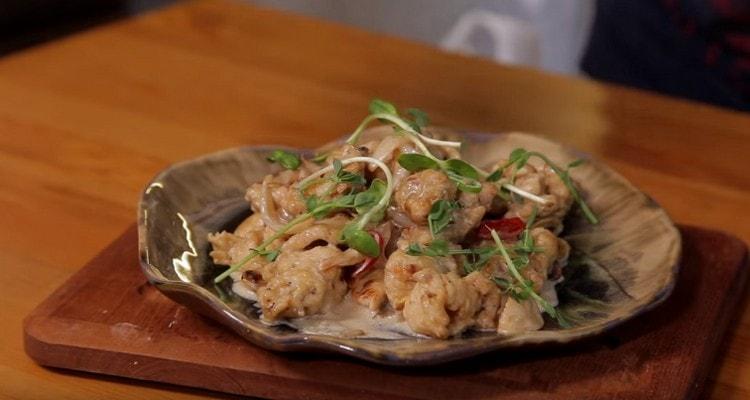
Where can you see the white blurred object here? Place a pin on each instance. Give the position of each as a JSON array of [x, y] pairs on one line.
[[510, 40], [546, 34]]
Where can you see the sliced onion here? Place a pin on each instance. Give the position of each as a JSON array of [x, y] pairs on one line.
[[268, 212], [399, 218]]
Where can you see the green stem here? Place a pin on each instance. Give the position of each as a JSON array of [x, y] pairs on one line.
[[399, 122], [508, 261], [384, 200], [546, 306], [527, 240], [590, 216], [412, 135], [299, 219], [372, 117], [511, 188]]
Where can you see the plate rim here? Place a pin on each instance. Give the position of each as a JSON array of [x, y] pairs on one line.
[[294, 342]]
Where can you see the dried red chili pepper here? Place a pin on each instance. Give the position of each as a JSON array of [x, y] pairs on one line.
[[369, 261], [507, 228]]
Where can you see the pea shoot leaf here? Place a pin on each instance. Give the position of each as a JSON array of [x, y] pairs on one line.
[[285, 158], [437, 248], [519, 157], [576, 163], [312, 203], [364, 201], [502, 283], [462, 168], [478, 258], [495, 176], [340, 175], [521, 261], [419, 120], [463, 174], [361, 241], [379, 106], [338, 166], [441, 215], [271, 255], [464, 184], [517, 154], [413, 162], [321, 209], [320, 158]]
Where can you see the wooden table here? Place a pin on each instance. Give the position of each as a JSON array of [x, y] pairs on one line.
[[87, 120]]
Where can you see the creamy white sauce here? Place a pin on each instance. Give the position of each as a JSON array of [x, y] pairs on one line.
[[346, 319], [549, 292], [243, 290], [350, 319]]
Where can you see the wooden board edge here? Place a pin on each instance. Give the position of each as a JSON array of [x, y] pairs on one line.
[[50, 351], [72, 284], [739, 290], [36, 344], [146, 368]]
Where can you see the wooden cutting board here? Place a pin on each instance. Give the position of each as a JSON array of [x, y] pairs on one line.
[[107, 319]]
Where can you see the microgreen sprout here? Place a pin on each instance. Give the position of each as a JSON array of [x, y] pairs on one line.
[[420, 119], [285, 158], [370, 204], [474, 259], [440, 248], [320, 158], [522, 288], [382, 203], [271, 255], [437, 248], [441, 215], [463, 174], [387, 112], [523, 193], [415, 162], [340, 175], [369, 211], [520, 156], [262, 248], [527, 241]]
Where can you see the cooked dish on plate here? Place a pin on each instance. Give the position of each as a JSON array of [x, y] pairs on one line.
[[406, 244], [398, 235]]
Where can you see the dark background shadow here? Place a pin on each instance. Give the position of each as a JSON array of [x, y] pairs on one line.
[[25, 23]]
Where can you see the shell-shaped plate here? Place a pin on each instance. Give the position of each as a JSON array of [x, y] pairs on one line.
[[621, 267]]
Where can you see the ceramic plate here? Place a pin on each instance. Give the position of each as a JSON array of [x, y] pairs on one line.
[[620, 268]]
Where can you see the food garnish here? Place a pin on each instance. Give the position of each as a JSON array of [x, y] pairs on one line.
[[419, 230]]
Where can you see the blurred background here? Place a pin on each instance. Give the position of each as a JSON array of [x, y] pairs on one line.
[[695, 49]]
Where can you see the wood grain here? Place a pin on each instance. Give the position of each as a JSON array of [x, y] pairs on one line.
[[86, 120], [108, 319]]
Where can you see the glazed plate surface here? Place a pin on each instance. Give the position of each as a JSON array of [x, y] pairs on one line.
[[620, 268]]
